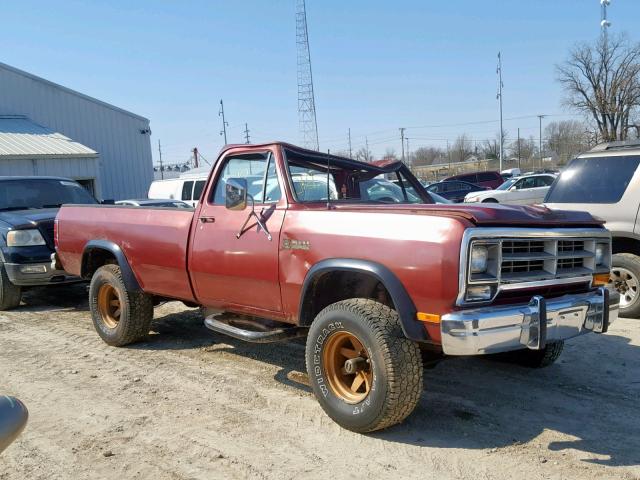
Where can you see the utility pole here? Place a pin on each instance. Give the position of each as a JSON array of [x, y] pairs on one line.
[[195, 157], [366, 146], [160, 153], [246, 133], [350, 151], [408, 151], [604, 22], [402, 142], [540, 117], [225, 124], [449, 158], [499, 72], [518, 147]]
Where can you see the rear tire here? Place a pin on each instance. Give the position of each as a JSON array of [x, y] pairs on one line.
[[625, 278], [535, 358], [10, 294], [120, 316], [385, 382]]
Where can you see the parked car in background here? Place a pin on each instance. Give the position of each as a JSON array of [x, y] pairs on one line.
[[186, 189], [606, 182], [483, 179], [148, 202], [438, 199], [28, 207], [525, 190], [454, 190], [510, 173]]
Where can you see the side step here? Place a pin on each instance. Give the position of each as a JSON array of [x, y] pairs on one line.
[[251, 330]]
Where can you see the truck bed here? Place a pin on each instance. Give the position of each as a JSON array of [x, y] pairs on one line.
[[154, 241]]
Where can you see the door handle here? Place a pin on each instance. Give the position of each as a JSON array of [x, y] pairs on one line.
[[207, 219]]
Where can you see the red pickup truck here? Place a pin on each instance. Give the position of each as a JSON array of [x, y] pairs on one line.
[[288, 242]]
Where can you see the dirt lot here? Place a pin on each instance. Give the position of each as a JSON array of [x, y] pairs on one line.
[[189, 404]]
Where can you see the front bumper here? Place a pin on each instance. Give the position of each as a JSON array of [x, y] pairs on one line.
[[513, 327], [40, 274]]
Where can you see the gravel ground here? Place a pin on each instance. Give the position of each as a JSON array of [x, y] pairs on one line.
[[190, 404]]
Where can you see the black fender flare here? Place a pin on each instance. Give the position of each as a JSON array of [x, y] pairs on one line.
[[130, 280], [411, 326]]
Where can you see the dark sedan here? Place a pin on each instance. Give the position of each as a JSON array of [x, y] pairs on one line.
[[454, 190]]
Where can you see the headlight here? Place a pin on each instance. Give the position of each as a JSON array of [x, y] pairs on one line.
[[470, 199], [24, 238], [479, 259], [601, 253]]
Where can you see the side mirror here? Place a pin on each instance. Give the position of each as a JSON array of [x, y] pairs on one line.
[[13, 418], [236, 193]]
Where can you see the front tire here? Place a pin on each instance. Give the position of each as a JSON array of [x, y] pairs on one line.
[[120, 316], [364, 372], [490, 200], [625, 278], [10, 294]]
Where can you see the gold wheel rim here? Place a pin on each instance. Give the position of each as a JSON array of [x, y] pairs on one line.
[[109, 305], [347, 366]]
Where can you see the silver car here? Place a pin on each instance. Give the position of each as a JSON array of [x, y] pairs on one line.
[[606, 182]]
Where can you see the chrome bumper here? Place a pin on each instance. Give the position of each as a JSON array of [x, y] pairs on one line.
[[512, 327]]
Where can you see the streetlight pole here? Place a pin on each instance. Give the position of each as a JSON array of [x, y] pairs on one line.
[[540, 117]]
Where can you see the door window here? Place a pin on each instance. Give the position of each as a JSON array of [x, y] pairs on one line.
[[252, 168], [544, 181]]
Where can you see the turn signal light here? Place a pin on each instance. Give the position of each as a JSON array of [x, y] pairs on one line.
[[428, 317], [600, 279]]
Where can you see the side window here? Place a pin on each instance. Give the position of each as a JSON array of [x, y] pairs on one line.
[[544, 181], [486, 177], [197, 191], [310, 184], [250, 167], [518, 185], [187, 188], [463, 187], [272, 192], [529, 182]]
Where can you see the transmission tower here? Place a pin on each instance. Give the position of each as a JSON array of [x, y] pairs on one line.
[[306, 99]]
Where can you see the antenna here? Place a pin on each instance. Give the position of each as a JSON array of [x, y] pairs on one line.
[[306, 98]]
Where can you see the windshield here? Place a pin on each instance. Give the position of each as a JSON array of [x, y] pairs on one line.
[[506, 185], [41, 193], [594, 180], [351, 181]]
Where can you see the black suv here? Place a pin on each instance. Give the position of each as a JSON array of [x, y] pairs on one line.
[[28, 208]]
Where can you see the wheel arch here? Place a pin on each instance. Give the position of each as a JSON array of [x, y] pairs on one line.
[[97, 253], [353, 275], [623, 242]]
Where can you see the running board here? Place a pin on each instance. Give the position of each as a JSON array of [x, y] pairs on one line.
[[263, 335]]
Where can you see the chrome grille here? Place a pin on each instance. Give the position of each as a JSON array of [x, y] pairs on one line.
[[532, 260]]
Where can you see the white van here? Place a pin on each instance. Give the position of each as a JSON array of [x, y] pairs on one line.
[[188, 188]]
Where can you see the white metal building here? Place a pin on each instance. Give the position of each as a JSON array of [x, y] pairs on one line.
[[47, 129]]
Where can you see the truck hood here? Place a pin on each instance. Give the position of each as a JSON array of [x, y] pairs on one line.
[[491, 215], [27, 218]]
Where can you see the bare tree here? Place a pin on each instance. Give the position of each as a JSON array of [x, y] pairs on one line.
[[602, 80], [427, 156], [491, 148], [461, 148], [566, 138], [390, 154], [363, 155], [527, 149]]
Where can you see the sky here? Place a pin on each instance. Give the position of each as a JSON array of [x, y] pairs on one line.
[[428, 66]]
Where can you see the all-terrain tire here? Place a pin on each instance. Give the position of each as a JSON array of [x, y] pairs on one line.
[[10, 294], [536, 358], [394, 365], [135, 309], [631, 263]]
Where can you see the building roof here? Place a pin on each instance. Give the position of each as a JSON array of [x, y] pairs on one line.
[[69, 90], [20, 138]]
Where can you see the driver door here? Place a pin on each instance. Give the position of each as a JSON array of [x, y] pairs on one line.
[[227, 271]]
